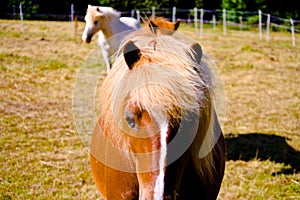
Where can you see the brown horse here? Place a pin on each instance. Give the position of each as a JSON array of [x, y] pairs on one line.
[[157, 135], [164, 26]]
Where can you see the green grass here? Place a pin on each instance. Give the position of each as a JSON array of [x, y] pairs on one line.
[[42, 156]]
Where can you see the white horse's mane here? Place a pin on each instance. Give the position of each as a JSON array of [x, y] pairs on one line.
[[109, 12]]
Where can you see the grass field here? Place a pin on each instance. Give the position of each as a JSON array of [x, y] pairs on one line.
[[42, 156]]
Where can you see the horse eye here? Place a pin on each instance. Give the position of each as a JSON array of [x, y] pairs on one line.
[[95, 22], [130, 121]]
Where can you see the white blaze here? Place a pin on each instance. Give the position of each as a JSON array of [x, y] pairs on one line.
[[159, 185]]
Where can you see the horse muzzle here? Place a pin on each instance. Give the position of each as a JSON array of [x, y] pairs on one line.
[[87, 39]]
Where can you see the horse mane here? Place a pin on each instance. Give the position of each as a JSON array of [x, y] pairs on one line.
[[166, 77], [106, 11], [173, 67]]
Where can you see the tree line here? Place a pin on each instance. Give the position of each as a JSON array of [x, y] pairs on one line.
[[285, 9]]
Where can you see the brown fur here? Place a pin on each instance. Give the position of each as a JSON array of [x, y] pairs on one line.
[[164, 26]]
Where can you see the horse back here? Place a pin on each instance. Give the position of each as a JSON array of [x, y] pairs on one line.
[[130, 22]]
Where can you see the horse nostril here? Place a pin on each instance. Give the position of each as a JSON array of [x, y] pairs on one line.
[[89, 38], [130, 121]]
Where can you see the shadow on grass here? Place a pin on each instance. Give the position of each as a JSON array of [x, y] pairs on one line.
[[263, 147]]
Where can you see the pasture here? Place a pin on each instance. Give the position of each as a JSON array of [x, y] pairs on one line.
[[42, 156]]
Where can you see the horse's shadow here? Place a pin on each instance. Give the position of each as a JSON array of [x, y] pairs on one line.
[[263, 147]]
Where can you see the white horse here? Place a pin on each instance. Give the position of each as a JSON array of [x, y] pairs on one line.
[[108, 23]]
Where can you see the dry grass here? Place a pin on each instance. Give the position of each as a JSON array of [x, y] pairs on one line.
[[43, 157]]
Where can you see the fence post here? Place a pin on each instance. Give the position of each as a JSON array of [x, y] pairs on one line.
[[21, 17], [153, 12], [189, 20], [138, 16], [195, 19], [268, 28], [174, 14], [132, 13], [72, 18], [201, 23], [241, 22], [214, 22], [224, 21], [260, 24], [76, 27], [293, 32]]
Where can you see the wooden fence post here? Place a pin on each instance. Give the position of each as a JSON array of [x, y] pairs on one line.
[[224, 21], [153, 12], [21, 17], [214, 21], [268, 28], [201, 22], [72, 19], [260, 24], [138, 17], [195, 19], [174, 14], [293, 32]]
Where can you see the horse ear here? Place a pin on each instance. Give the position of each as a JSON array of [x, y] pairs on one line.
[[132, 54], [98, 9], [152, 26], [198, 52], [177, 23]]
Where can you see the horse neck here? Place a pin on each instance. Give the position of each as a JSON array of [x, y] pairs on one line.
[[109, 29]]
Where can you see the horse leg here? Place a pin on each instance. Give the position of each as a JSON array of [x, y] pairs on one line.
[[106, 59], [105, 48]]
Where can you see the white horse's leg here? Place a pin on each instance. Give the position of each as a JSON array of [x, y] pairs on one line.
[[105, 47], [106, 57]]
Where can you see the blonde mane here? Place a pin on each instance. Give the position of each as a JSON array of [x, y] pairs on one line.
[[105, 11], [164, 76], [163, 82]]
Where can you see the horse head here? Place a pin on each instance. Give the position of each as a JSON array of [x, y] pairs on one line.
[[153, 112], [163, 25], [156, 111], [96, 20]]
